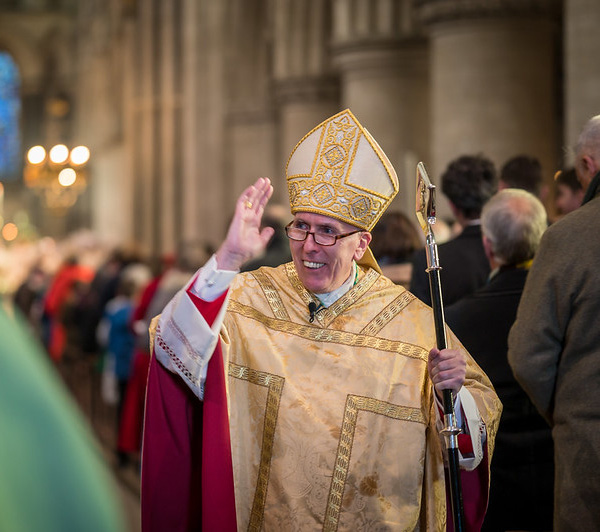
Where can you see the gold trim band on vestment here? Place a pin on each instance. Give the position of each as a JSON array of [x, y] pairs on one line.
[[271, 295], [388, 314], [319, 334], [274, 384], [354, 405]]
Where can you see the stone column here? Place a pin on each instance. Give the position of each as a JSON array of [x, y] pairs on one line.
[[305, 87], [101, 110], [208, 206], [145, 126], [130, 112], [251, 119], [169, 68], [493, 80], [383, 63], [225, 125], [191, 123], [581, 66]]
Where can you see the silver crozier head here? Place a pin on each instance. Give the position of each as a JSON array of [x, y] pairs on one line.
[[425, 204]]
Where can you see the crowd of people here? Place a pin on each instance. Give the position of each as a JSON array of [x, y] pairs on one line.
[[519, 295], [90, 307]]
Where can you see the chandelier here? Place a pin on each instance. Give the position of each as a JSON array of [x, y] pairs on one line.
[[58, 175]]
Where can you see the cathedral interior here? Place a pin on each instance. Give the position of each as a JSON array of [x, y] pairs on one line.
[[162, 112], [184, 103]]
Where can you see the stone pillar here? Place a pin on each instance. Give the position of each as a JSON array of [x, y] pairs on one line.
[[169, 146], [493, 80], [102, 60], [129, 116], [305, 87], [251, 119], [383, 63], [191, 122], [581, 66], [207, 107], [145, 125], [251, 142]]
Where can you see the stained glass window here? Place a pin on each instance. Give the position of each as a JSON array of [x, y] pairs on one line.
[[10, 109]]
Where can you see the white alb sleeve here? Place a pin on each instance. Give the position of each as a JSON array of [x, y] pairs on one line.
[[184, 342], [470, 423]]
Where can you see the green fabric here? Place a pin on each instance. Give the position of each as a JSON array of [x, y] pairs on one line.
[[52, 476]]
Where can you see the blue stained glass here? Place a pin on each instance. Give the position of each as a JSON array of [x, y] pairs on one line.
[[10, 110]]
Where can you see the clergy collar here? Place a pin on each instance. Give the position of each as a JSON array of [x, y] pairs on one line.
[[329, 298]]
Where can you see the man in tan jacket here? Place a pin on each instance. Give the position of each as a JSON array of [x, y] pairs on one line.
[[554, 345]]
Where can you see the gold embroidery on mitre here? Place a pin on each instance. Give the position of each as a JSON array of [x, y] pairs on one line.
[[293, 190], [320, 173], [323, 195], [360, 207]]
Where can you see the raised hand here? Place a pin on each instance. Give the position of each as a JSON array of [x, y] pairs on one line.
[[245, 240], [447, 369]]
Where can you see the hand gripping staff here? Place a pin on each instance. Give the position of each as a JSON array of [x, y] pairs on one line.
[[425, 210]]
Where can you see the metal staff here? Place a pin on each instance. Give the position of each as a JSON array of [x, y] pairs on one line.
[[425, 210]]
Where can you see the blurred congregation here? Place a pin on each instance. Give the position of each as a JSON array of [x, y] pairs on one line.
[[183, 104], [91, 308]]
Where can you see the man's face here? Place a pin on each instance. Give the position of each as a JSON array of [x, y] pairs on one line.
[[324, 268]]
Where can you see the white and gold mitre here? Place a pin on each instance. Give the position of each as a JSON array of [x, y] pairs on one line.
[[339, 170]]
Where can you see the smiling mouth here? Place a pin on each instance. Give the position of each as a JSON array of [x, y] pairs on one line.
[[313, 265]]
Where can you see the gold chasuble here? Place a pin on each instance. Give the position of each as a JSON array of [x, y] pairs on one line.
[[333, 423]]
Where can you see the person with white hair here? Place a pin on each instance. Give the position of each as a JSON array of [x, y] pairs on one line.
[[522, 470]]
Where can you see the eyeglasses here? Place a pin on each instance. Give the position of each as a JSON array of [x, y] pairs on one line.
[[323, 239]]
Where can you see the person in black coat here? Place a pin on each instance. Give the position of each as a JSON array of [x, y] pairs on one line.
[[468, 183], [522, 469]]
